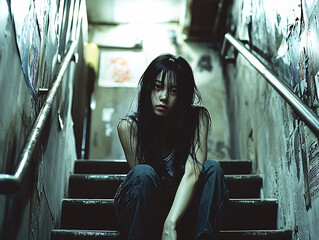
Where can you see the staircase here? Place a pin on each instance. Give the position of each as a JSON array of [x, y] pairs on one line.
[[88, 212]]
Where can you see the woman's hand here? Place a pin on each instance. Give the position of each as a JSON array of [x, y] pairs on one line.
[[169, 231]]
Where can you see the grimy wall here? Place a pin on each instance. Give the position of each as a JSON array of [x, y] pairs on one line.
[[32, 36], [264, 128]]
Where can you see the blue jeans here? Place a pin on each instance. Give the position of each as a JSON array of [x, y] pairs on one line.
[[143, 201]]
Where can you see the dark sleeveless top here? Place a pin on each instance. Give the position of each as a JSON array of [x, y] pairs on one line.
[[168, 163], [168, 177]]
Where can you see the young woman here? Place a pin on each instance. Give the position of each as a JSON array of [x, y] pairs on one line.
[[172, 191]]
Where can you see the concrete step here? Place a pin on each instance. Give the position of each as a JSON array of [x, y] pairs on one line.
[[62, 234], [105, 185], [121, 167], [241, 214], [256, 235], [251, 214]]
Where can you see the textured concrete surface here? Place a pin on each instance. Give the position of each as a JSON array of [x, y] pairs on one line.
[[263, 127], [34, 210]]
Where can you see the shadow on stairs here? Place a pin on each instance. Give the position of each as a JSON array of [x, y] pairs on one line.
[[88, 212]]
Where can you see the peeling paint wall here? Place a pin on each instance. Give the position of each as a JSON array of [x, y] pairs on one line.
[[264, 128], [34, 210]]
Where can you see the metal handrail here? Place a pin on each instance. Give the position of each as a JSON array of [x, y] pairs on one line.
[[302, 110], [11, 183]]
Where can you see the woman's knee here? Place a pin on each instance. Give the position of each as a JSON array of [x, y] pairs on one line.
[[212, 166], [143, 169], [143, 173], [211, 163], [140, 179]]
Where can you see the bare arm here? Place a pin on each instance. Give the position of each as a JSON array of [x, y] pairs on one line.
[[187, 185], [124, 129]]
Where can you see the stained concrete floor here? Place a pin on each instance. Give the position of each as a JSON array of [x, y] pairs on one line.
[[112, 103]]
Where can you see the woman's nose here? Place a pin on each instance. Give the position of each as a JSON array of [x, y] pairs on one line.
[[164, 94]]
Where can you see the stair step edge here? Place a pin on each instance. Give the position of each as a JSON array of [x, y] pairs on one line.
[[85, 232], [116, 232], [108, 233], [122, 176], [111, 201], [123, 160]]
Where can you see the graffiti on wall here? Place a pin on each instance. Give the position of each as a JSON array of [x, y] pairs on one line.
[[29, 20]]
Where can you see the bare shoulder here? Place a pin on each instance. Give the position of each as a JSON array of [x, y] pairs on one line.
[[126, 126], [126, 129], [203, 115]]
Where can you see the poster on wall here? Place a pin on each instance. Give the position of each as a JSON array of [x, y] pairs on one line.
[[28, 41], [313, 170], [312, 159], [312, 167], [120, 69]]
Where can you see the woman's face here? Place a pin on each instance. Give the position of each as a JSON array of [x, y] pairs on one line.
[[164, 95]]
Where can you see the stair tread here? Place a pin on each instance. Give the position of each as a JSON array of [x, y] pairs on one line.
[[99, 214], [66, 234], [123, 160], [120, 166], [111, 201], [112, 176], [246, 200], [106, 185], [109, 232], [224, 234], [80, 232], [256, 234]]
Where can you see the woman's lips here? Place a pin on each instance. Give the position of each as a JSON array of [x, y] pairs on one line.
[[161, 107]]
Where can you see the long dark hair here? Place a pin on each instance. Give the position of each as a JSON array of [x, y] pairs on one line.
[[186, 118]]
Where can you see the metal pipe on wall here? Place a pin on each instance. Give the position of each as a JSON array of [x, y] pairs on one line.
[[302, 110]]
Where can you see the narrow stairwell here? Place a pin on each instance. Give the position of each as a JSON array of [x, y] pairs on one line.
[[88, 212]]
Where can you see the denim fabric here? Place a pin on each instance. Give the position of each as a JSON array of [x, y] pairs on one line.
[[143, 201]]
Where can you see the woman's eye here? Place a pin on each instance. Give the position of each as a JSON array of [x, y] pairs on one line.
[[157, 86], [174, 91]]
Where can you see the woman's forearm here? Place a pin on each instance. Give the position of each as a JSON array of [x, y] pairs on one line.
[[182, 199]]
